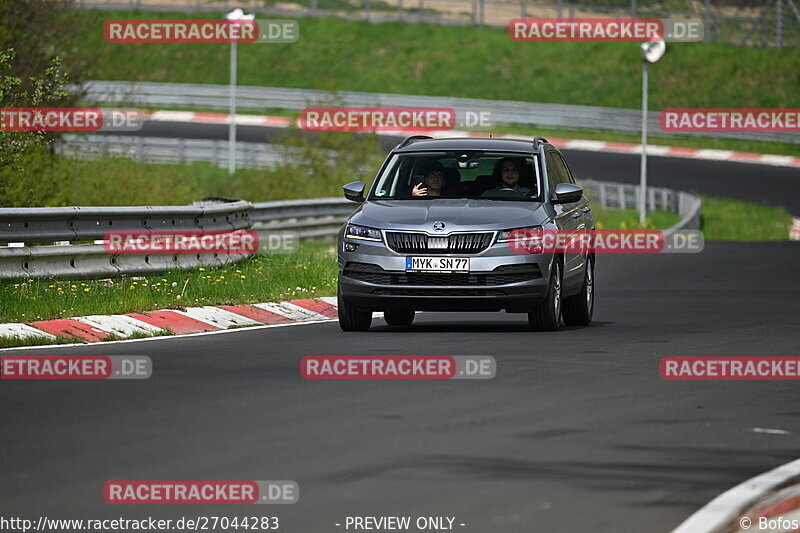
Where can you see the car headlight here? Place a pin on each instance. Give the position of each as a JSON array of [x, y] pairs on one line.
[[362, 232], [515, 234], [523, 240]]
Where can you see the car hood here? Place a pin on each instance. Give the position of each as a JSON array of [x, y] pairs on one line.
[[458, 214]]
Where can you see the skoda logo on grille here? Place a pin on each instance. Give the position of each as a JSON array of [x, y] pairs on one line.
[[438, 226]]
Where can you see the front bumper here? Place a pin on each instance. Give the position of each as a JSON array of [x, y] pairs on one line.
[[374, 278]]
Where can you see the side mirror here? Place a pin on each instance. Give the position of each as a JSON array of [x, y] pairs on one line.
[[354, 191], [567, 193]]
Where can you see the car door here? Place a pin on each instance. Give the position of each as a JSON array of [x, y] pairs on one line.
[[569, 217]]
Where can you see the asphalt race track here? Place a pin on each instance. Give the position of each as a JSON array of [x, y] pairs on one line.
[[743, 181], [577, 432]]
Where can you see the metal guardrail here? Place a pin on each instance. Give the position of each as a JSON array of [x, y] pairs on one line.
[[49, 224], [502, 111], [320, 218], [168, 150]]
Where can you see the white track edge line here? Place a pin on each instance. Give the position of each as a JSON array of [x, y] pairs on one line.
[[720, 511]]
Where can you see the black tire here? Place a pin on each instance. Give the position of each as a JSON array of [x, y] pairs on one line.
[[399, 317], [547, 315], [351, 318], [577, 310]]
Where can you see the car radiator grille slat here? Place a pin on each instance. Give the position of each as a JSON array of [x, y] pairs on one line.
[[459, 243]]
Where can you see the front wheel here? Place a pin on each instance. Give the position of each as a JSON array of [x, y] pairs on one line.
[[578, 309], [351, 318], [547, 315]]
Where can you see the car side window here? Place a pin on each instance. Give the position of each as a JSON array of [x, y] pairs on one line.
[[554, 172], [565, 171]]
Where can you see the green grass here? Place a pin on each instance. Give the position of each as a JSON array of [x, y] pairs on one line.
[[309, 272], [310, 172], [629, 219], [732, 220], [467, 61]]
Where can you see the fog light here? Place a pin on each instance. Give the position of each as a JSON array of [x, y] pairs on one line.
[[350, 247]]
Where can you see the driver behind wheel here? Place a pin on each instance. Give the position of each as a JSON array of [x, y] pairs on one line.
[[509, 170]]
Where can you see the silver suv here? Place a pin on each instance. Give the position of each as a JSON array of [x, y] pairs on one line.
[[434, 233]]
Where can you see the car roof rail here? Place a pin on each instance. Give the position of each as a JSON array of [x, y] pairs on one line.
[[411, 138], [539, 139]]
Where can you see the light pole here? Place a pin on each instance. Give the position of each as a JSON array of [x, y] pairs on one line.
[[236, 14], [651, 52]]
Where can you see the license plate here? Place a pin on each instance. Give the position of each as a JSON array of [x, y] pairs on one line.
[[437, 264]]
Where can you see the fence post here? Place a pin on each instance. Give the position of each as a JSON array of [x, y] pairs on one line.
[[314, 6], [421, 9], [633, 9], [399, 9], [707, 35], [621, 196], [779, 24], [139, 148], [603, 197], [367, 9], [558, 8]]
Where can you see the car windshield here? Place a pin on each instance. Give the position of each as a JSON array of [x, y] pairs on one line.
[[486, 175]]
